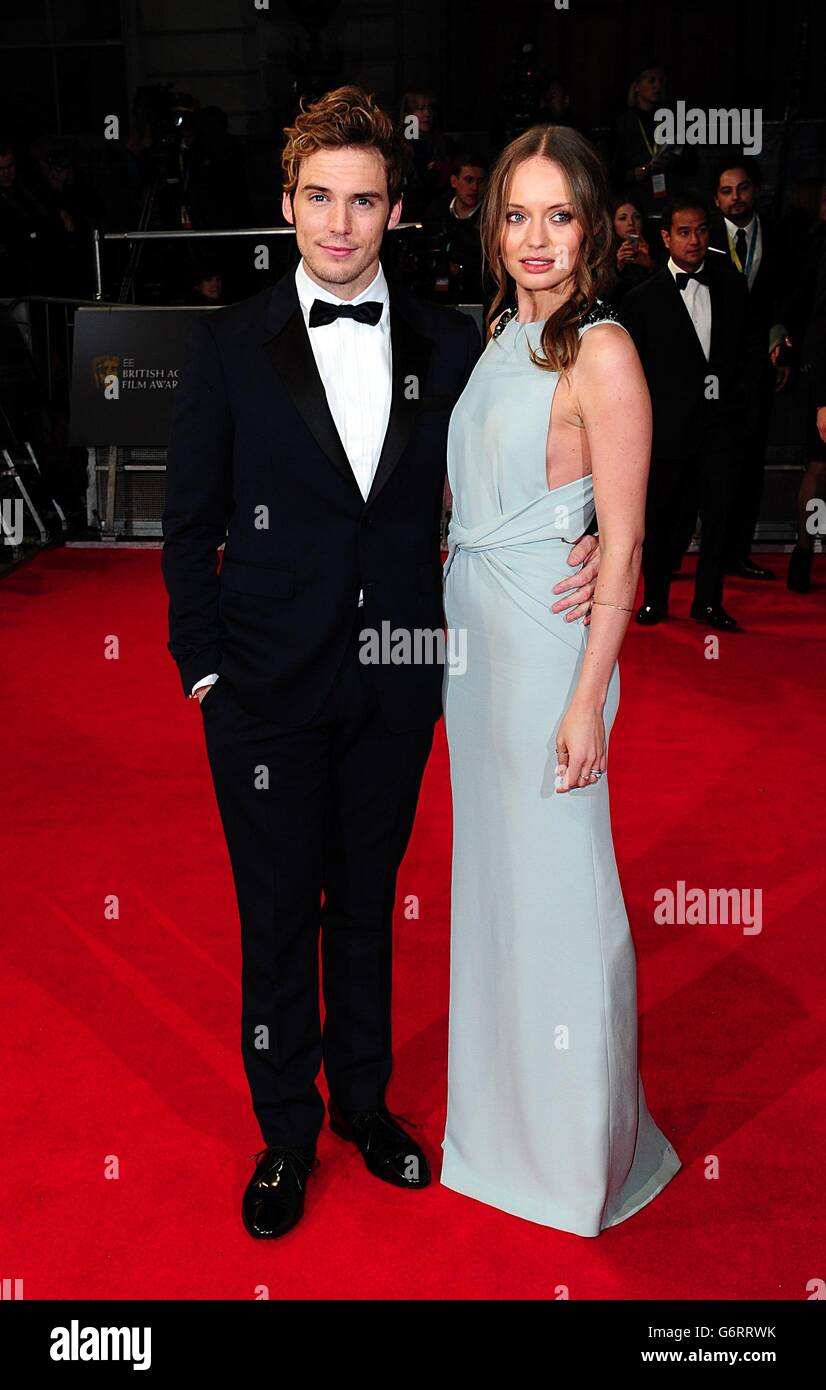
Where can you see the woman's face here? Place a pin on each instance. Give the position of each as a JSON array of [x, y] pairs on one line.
[[627, 221], [421, 107], [541, 236]]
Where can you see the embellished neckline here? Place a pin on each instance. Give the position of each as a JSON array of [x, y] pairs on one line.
[[504, 319], [600, 312]]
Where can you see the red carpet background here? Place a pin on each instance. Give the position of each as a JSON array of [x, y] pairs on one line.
[[122, 1036]]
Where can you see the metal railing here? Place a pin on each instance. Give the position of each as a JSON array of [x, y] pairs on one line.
[[41, 328], [187, 234]]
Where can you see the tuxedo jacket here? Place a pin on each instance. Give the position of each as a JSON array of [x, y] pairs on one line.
[[765, 292], [675, 365], [254, 459]]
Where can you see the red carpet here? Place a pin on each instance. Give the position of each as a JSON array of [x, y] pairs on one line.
[[122, 1036]]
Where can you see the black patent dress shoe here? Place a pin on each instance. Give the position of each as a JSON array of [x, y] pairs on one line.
[[744, 569], [388, 1151], [714, 615], [274, 1199], [651, 613], [799, 577]]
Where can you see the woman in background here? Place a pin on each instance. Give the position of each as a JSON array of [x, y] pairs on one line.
[[429, 153], [632, 254]]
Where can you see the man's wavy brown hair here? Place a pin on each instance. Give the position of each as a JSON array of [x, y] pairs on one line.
[[348, 117], [588, 186]]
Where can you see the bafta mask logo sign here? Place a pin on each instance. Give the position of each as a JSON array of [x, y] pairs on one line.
[[126, 367], [109, 367], [103, 367]]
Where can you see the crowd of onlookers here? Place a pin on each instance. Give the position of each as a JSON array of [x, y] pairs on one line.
[[673, 214], [725, 298]]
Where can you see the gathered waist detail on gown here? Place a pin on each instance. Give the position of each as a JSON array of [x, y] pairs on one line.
[[515, 546], [548, 517]]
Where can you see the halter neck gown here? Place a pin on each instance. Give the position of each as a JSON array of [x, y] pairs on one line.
[[547, 1117]]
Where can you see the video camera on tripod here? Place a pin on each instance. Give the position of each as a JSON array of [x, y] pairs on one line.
[[164, 124]]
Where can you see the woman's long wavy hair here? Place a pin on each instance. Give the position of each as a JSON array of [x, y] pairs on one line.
[[592, 272]]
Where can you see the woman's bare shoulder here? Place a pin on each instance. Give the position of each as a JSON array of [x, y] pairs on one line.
[[607, 346]]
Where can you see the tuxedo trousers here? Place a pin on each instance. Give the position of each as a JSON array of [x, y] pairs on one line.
[[748, 489], [703, 481], [317, 821]]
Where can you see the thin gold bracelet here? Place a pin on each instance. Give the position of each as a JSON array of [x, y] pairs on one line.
[[603, 604]]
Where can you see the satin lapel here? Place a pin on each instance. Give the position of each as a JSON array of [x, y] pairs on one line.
[[292, 357], [718, 318], [410, 353], [288, 348]]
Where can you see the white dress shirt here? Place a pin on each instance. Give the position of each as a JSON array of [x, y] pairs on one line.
[[452, 209], [353, 361], [697, 300], [355, 365], [753, 230]]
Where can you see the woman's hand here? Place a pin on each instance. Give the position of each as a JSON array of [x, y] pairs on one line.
[[782, 371], [586, 554], [580, 746], [634, 253], [643, 256]]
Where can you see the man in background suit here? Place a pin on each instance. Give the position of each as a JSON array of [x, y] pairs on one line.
[[749, 241], [691, 326], [452, 223], [309, 433]]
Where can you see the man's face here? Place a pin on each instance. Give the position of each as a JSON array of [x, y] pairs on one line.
[[340, 210], [8, 168], [557, 99], [687, 241], [735, 196], [468, 184], [57, 174], [211, 287]]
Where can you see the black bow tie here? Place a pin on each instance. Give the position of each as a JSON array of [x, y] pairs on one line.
[[683, 276], [323, 312]]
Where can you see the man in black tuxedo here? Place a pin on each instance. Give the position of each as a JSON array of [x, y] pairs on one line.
[[691, 326], [749, 241], [309, 434]]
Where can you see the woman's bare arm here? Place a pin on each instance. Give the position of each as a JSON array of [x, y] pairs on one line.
[[615, 408]]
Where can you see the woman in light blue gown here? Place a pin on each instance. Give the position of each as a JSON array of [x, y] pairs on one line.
[[547, 1116]]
